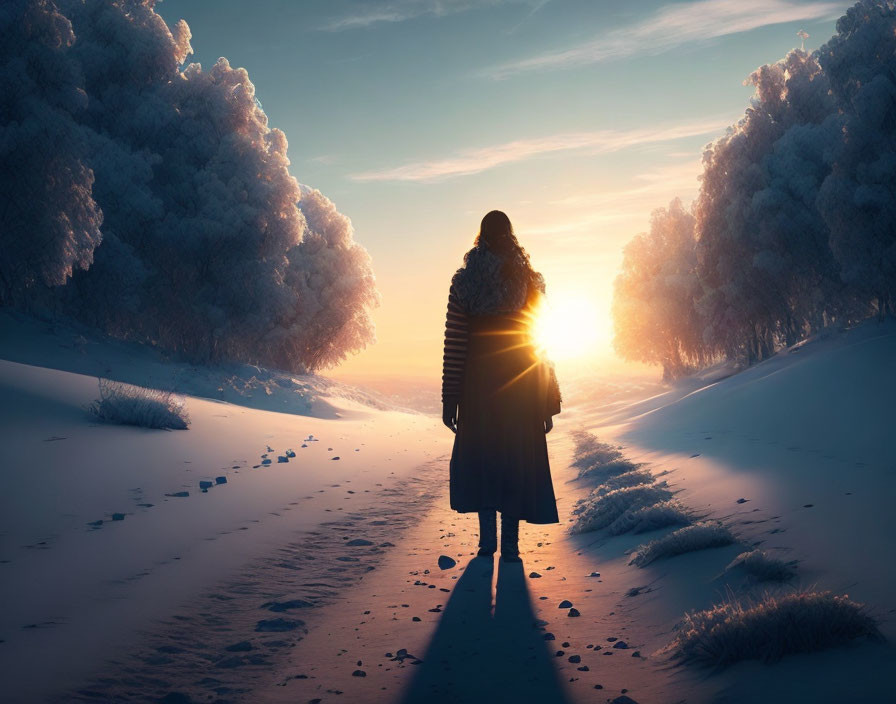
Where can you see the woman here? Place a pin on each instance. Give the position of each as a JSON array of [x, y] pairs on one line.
[[498, 395]]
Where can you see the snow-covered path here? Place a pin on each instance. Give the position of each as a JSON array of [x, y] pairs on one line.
[[794, 455], [106, 530], [319, 579], [233, 592], [482, 630]]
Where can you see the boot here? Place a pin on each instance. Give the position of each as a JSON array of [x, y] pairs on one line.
[[488, 532], [510, 536]]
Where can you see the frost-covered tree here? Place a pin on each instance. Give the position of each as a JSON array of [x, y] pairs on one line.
[[336, 270], [763, 250], [211, 248], [49, 220], [654, 298], [858, 198], [796, 215]]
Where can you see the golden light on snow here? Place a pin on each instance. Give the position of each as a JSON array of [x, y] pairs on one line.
[[567, 325]]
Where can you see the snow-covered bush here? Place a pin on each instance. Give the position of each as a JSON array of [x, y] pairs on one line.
[[769, 628], [597, 460], [698, 536], [126, 404], [599, 511], [158, 201], [762, 566], [653, 517]]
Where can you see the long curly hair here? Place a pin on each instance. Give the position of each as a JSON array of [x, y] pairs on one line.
[[497, 274], [496, 234]]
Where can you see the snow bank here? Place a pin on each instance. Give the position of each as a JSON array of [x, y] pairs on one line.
[[804, 439], [108, 530], [795, 456], [69, 346]]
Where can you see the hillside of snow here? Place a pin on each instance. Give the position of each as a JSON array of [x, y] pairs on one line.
[[299, 528], [106, 530], [796, 456], [68, 346]]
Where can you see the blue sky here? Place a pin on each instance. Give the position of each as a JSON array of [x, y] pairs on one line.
[[417, 117]]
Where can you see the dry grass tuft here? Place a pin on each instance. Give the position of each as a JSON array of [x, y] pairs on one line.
[[654, 517], [698, 536], [763, 567], [126, 404], [597, 460], [599, 511], [769, 628]]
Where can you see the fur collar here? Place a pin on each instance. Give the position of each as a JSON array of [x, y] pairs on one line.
[[482, 289]]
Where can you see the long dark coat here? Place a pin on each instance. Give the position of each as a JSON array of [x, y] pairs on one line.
[[504, 392]]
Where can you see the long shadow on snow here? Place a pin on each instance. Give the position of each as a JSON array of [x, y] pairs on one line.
[[477, 656]]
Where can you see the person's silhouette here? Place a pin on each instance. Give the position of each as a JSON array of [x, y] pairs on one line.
[[498, 394]]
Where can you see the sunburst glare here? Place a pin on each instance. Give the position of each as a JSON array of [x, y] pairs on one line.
[[565, 326]]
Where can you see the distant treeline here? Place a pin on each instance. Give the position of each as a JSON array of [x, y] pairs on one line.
[[153, 201], [794, 227]]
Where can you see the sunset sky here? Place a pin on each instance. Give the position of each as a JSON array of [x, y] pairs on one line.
[[575, 117]]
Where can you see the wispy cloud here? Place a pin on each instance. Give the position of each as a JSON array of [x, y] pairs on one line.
[[473, 161], [647, 190], [578, 218], [325, 159], [537, 5], [371, 12], [673, 26]]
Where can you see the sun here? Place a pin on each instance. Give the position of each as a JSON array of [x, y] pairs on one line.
[[565, 326]]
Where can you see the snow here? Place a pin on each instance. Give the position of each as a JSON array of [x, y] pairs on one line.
[[794, 456], [72, 348], [804, 437], [74, 592]]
